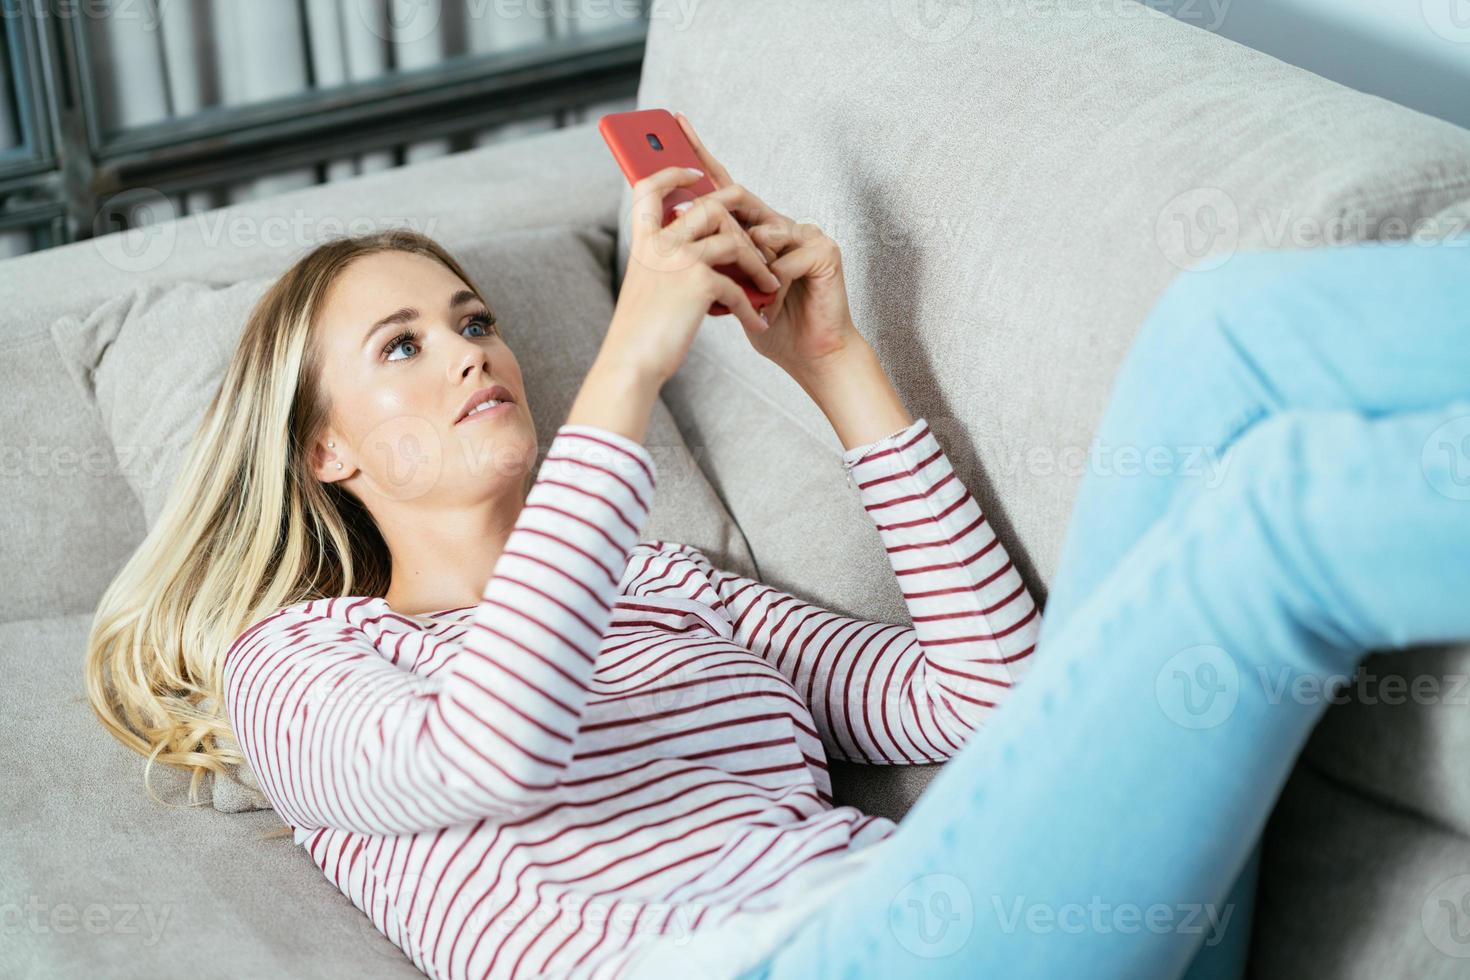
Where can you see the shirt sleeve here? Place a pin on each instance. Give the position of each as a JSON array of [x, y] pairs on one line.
[[888, 693], [341, 737]]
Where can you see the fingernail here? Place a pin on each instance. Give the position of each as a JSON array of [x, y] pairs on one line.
[[695, 171], [762, 315], [683, 206]]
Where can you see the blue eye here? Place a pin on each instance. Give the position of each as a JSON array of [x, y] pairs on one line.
[[484, 320]]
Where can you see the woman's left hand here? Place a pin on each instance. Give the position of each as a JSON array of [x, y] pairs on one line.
[[810, 324]]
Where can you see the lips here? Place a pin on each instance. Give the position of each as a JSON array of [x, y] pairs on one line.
[[498, 392]]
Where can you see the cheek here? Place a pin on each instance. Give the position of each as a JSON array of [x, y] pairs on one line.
[[401, 403], [385, 400], [386, 411], [401, 450]]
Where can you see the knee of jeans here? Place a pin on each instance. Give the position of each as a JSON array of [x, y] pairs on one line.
[[1259, 474], [1272, 483], [1299, 487]]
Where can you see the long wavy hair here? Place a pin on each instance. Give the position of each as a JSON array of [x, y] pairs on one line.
[[247, 530]]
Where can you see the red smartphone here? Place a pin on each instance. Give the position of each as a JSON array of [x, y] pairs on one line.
[[648, 140]]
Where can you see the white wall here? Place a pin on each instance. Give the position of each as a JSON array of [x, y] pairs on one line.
[[1416, 52]]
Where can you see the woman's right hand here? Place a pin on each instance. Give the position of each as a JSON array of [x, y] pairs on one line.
[[670, 281]]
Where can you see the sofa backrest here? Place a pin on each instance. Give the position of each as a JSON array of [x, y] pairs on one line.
[[1012, 185]]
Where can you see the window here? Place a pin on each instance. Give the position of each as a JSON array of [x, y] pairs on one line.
[[123, 112]]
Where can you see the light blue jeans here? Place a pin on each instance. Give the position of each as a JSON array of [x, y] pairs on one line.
[[1279, 485]]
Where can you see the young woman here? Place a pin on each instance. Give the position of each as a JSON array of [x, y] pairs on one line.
[[525, 743], [519, 739]]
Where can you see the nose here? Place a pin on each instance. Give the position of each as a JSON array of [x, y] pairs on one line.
[[472, 359]]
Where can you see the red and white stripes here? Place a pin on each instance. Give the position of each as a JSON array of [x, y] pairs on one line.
[[620, 741]]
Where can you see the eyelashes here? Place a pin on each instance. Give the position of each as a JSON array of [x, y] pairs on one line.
[[484, 318]]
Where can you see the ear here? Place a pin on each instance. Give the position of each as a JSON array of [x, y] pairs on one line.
[[329, 463]]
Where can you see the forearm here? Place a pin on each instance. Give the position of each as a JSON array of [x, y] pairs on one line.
[[856, 395], [615, 396]]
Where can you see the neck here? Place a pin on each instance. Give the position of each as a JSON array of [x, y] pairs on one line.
[[442, 561]]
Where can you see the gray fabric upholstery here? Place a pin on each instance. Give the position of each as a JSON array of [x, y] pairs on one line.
[[553, 178], [1401, 732], [70, 519], [99, 880], [1355, 888], [173, 337], [1011, 194]]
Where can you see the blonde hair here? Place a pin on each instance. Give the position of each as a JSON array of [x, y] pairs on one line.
[[246, 530]]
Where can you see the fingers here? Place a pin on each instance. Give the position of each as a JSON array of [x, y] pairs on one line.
[[733, 199], [730, 247], [784, 236], [797, 263], [763, 234], [728, 292], [707, 217], [812, 258], [713, 167], [752, 212], [649, 194], [752, 261]]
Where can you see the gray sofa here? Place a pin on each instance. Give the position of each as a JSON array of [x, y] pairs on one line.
[[1012, 185]]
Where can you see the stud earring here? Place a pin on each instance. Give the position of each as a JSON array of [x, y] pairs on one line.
[[331, 445], [339, 466]]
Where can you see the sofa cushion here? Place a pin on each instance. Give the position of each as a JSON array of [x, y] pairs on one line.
[[152, 358], [98, 879], [1356, 888], [550, 291], [1399, 731], [70, 518]]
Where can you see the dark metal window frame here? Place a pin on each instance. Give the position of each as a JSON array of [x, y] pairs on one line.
[[28, 171], [59, 180]]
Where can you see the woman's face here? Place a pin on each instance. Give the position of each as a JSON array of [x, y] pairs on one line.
[[398, 389]]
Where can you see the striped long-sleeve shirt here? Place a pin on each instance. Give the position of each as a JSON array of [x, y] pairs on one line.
[[620, 741]]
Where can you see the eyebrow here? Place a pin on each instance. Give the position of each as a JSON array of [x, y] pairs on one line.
[[408, 314]]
